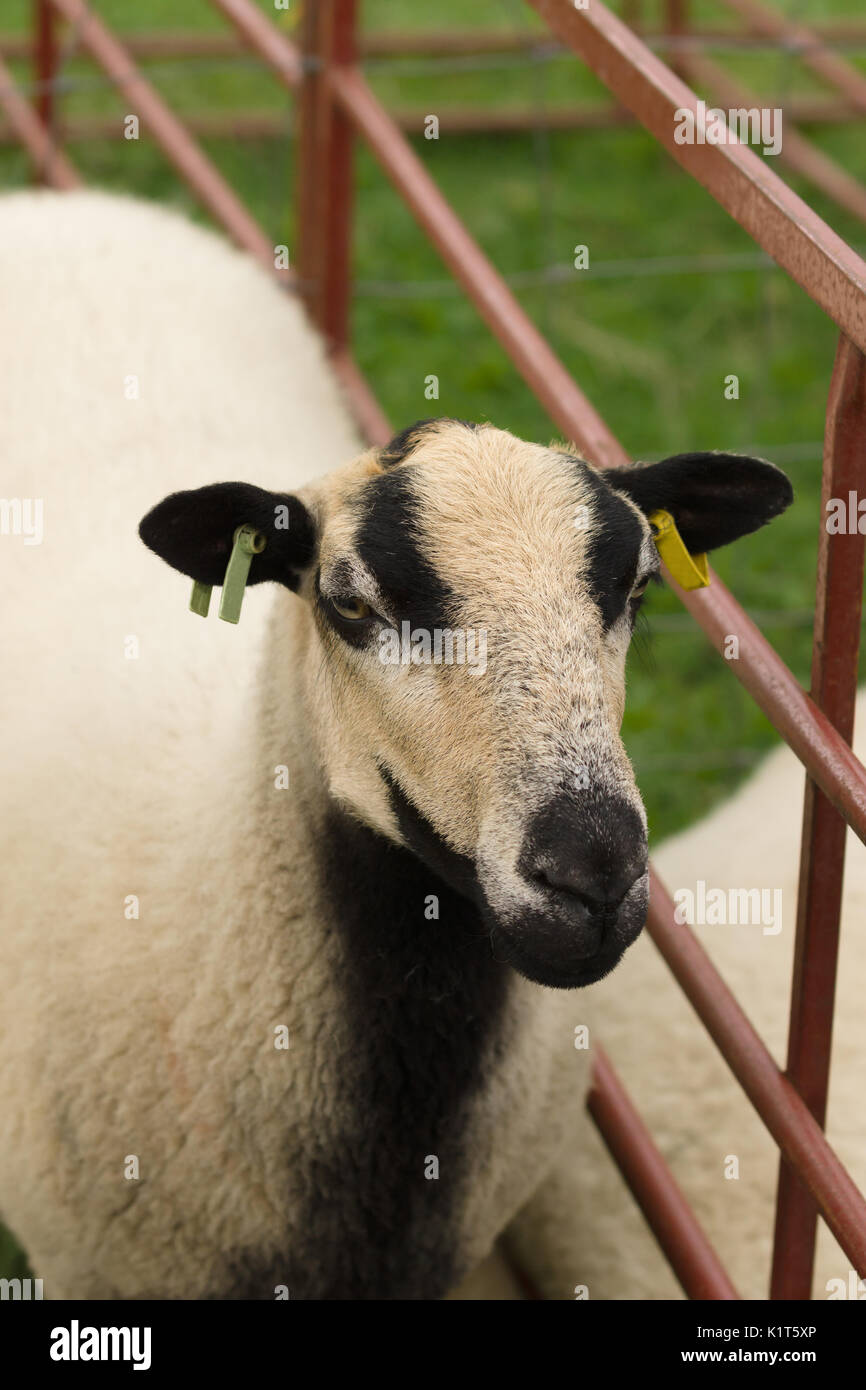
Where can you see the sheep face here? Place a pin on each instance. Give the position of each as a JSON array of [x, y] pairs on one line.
[[470, 600]]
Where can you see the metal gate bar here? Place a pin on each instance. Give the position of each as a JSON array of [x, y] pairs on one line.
[[805, 41], [44, 60], [667, 1213], [822, 860], [53, 166], [191, 163], [268, 124], [797, 152], [195, 43], [779, 1105], [325, 144]]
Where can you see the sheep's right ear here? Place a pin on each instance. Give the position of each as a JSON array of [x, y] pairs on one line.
[[713, 498], [194, 532]]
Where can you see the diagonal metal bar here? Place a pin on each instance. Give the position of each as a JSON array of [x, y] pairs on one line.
[[50, 163], [797, 152], [530, 352], [805, 41], [258, 33], [665, 1209], [773, 1095], [539, 366], [190, 161], [786, 227]]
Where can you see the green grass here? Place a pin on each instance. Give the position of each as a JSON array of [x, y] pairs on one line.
[[650, 350]]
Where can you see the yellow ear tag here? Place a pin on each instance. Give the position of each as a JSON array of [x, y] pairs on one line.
[[690, 571]]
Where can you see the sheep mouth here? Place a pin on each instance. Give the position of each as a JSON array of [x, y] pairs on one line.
[[541, 968], [569, 950]]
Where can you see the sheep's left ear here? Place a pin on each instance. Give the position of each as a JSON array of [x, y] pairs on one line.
[[194, 532], [713, 498]]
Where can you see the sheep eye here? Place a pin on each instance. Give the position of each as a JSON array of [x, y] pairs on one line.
[[354, 610], [636, 596]]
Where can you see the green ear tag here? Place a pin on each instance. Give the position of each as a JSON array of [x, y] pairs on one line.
[[200, 600], [248, 542]]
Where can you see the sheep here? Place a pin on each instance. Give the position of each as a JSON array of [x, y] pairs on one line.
[[582, 1229], [291, 932]]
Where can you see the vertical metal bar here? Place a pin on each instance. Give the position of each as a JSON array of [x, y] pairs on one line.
[[45, 49], [45, 52], [834, 690], [325, 170], [676, 25], [310, 189]]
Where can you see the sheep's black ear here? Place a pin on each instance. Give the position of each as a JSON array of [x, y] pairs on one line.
[[194, 532], [713, 498]]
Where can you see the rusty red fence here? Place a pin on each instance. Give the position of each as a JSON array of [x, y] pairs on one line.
[[682, 36], [335, 107]]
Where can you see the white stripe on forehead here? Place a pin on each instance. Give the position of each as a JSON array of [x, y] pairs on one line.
[[488, 499]]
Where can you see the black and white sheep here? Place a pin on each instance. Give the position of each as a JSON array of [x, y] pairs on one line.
[[283, 921]]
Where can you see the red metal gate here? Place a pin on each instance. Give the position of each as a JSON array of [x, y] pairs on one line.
[[336, 105]]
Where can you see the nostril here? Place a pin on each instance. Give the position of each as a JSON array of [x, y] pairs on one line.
[[559, 882], [600, 894]]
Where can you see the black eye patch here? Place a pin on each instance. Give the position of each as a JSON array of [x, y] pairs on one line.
[[614, 545], [390, 546]]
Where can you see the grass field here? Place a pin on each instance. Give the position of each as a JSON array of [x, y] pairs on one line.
[[650, 345]]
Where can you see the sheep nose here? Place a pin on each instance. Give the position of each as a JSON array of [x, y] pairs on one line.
[[599, 891], [589, 854]]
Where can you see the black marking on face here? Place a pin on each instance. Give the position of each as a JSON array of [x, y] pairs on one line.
[[388, 543], [424, 839], [614, 547], [403, 444]]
